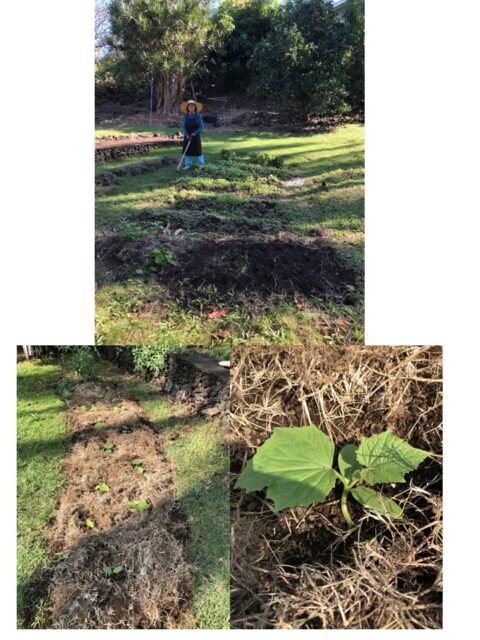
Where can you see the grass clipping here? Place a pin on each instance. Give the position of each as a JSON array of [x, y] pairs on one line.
[[150, 592], [303, 568], [153, 588]]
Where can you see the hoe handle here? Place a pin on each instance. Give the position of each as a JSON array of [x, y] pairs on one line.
[[184, 153]]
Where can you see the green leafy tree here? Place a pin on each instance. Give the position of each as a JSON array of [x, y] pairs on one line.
[[300, 63], [168, 39], [354, 61], [248, 22]]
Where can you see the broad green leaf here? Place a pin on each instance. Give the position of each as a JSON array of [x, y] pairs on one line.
[[377, 502], [136, 462], [108, 445], [103, 487], [107, 571], [348, 463], [140, 469], [118, 569], [90, 523], [387, 458], [295, 464]]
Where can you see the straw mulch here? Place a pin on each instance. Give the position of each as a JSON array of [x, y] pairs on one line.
[[303, 568]]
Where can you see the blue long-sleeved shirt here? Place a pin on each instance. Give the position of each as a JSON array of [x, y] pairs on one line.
[[195, 116]]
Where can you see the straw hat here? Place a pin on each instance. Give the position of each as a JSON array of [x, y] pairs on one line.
[[184, 105]]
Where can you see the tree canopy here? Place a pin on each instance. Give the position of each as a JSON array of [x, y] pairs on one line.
[[300, 54]]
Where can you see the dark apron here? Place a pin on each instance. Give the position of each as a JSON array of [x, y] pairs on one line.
[[195, 148]]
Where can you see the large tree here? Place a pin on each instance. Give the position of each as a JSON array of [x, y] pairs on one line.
[[251, 21], [301, 61], [167, 39]]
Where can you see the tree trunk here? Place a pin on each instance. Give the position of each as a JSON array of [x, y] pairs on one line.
[[168, 92]]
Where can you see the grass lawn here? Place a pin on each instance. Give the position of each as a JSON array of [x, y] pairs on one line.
[[239, 199], [42, 443], [202, 466]]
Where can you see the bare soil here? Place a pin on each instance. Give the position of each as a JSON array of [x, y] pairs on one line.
[[303, 568], [154, 585]]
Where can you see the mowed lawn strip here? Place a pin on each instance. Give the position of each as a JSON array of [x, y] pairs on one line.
[[42, 443], [201, 475]]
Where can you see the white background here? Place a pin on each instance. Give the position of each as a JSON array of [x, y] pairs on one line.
[[422, 227]]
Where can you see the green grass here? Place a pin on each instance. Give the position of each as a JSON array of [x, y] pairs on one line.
[[137, 309], [201, 469], [42, 443]]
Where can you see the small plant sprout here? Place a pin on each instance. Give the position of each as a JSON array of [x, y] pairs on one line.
[[89, 523], [99, 425], [102, 486], [137, 464], [139, 505], [108, 447], [112, 571], [296, 465]]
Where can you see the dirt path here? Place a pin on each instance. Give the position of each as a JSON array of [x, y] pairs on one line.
[[117, 512]]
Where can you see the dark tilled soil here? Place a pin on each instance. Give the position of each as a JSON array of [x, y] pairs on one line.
[[208, 223], [249, 267]]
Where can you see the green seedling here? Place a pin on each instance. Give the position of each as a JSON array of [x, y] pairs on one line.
[[297, 467], [102, 486], [89, 523], [99, 425], [93, 408], [126, 429], [108, 447], [137, 463], [139, 505], [110, 571]]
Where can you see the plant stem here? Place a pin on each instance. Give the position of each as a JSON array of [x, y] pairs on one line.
[[344, 507]]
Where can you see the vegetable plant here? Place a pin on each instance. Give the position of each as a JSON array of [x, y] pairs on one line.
[[139, 505], [89, 523], [109, 571], [108, 447], [137, 465], [102, 486], [296, 465]]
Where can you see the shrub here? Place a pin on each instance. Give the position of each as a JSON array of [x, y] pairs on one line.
[[82, 361], [153, 360]]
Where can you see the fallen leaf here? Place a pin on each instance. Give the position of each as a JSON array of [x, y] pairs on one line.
[[219, 313], [222, 334], [343, 323]]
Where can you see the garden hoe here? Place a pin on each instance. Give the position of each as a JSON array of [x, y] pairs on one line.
[[184, 154]]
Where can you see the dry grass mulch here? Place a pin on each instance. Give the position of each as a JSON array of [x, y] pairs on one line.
[[303, 568], [153, 587]]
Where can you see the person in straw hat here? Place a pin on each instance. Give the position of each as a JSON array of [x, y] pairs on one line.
[[192, 126]]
